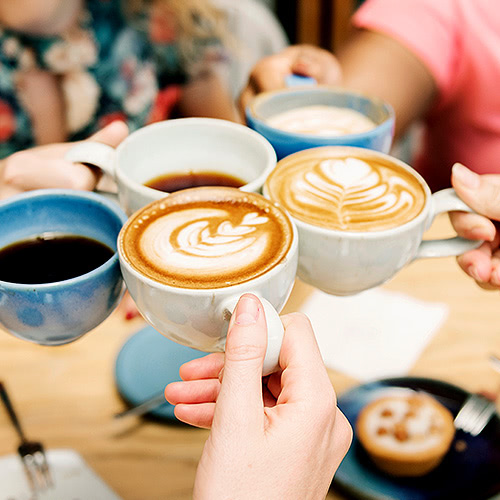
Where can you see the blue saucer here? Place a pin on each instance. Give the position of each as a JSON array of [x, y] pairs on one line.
[[471, 474], [146, 363]]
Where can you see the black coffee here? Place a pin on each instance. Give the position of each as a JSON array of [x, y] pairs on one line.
[[51, 257], [175, 182]]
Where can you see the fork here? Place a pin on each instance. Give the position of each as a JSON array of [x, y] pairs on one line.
[[474, 414], [32, 453]]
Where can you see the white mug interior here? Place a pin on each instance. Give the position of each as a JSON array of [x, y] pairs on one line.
[[179, 146]]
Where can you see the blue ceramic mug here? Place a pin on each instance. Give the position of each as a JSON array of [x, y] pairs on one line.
[[269, 104], [62, 311]]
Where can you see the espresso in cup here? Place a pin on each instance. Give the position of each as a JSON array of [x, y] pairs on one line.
[[346, 192], [59, 270], [207, 238], [360, 216], [193, 151], [169, 183], [322, 120]]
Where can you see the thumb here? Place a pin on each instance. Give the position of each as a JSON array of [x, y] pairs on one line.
[[479, 193], [112, 134], [240, 403]]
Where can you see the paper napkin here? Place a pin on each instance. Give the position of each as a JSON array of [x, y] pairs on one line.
[[73, 479], [374, 334]]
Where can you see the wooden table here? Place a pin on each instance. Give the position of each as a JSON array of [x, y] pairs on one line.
[[66, 395]]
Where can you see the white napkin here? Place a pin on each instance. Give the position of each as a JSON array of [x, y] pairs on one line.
[[374, 334], [73, 479]]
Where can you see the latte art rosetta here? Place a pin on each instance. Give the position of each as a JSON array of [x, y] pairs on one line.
[[346, 193], [205, 243]]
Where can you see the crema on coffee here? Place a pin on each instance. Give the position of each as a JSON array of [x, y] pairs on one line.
[[329, 188], [322, 120], [207, 237]]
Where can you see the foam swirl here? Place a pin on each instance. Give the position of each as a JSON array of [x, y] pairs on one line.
[[322, 120], [209, 245], [346, 193]]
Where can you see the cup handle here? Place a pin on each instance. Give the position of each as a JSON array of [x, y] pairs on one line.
[[94, 153], [447, 200], [275, 332], [294, 80]]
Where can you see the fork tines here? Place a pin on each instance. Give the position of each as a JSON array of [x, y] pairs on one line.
[[35, 464], [474, 414]]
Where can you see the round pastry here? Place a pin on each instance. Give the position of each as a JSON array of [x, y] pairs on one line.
[[406, 433]]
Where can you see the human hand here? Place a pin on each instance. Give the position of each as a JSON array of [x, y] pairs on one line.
[[278, 437], [306, 60], [482, 194], [45, 167]]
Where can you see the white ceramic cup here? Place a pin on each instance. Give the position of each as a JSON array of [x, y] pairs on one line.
[[179, 146], [345, 263], [199, 318]]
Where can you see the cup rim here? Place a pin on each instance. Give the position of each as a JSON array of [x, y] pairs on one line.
[[251, 112], [68, 194], [357, 151], [290, 255], [185, 122]]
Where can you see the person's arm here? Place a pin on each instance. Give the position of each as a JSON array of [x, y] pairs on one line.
[[45, 167], [281, 437], [379, 65], [207, 96], [369, 62]]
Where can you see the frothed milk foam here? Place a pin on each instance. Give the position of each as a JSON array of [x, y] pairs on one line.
[[333, 190], [207, 238], [322, 120]]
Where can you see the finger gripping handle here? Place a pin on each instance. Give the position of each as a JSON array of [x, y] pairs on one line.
[[275, 333], [447, 200], [94, 153]]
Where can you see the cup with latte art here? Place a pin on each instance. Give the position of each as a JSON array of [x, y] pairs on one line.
[[295, 119], [360, 216], [188, 258]]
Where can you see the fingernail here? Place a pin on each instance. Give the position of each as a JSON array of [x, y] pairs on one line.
[[465, 176], [247, 311]]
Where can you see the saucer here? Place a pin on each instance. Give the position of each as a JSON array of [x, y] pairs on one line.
[[469, 471], [146, 363]]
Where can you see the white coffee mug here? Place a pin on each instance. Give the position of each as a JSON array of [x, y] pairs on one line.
[[179, 146], [199, 317], [342, 262]]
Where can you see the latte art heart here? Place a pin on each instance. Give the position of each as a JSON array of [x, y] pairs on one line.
[[208, 242], [345, 193]]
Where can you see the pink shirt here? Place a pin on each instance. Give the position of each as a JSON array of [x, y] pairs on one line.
[[459, 42]]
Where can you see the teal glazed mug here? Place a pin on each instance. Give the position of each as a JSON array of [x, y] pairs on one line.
[[308, 116], [58, 311]]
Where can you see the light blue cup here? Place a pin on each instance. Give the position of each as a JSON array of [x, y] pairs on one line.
[[268, 104], [60, 312]]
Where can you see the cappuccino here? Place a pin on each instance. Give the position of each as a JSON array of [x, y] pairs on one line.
[[206, 237], [333, 188], [322, 120]]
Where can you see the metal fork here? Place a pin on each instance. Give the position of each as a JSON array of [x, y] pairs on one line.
[[31, 452], [474, 414]]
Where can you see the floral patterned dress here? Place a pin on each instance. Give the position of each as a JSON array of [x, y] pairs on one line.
[[108, 68]]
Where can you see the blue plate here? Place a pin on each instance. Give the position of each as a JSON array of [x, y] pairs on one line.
[[471, 474], [146, 363]]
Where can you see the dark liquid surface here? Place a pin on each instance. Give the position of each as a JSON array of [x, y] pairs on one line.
[[49, 258], [175, 182]]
